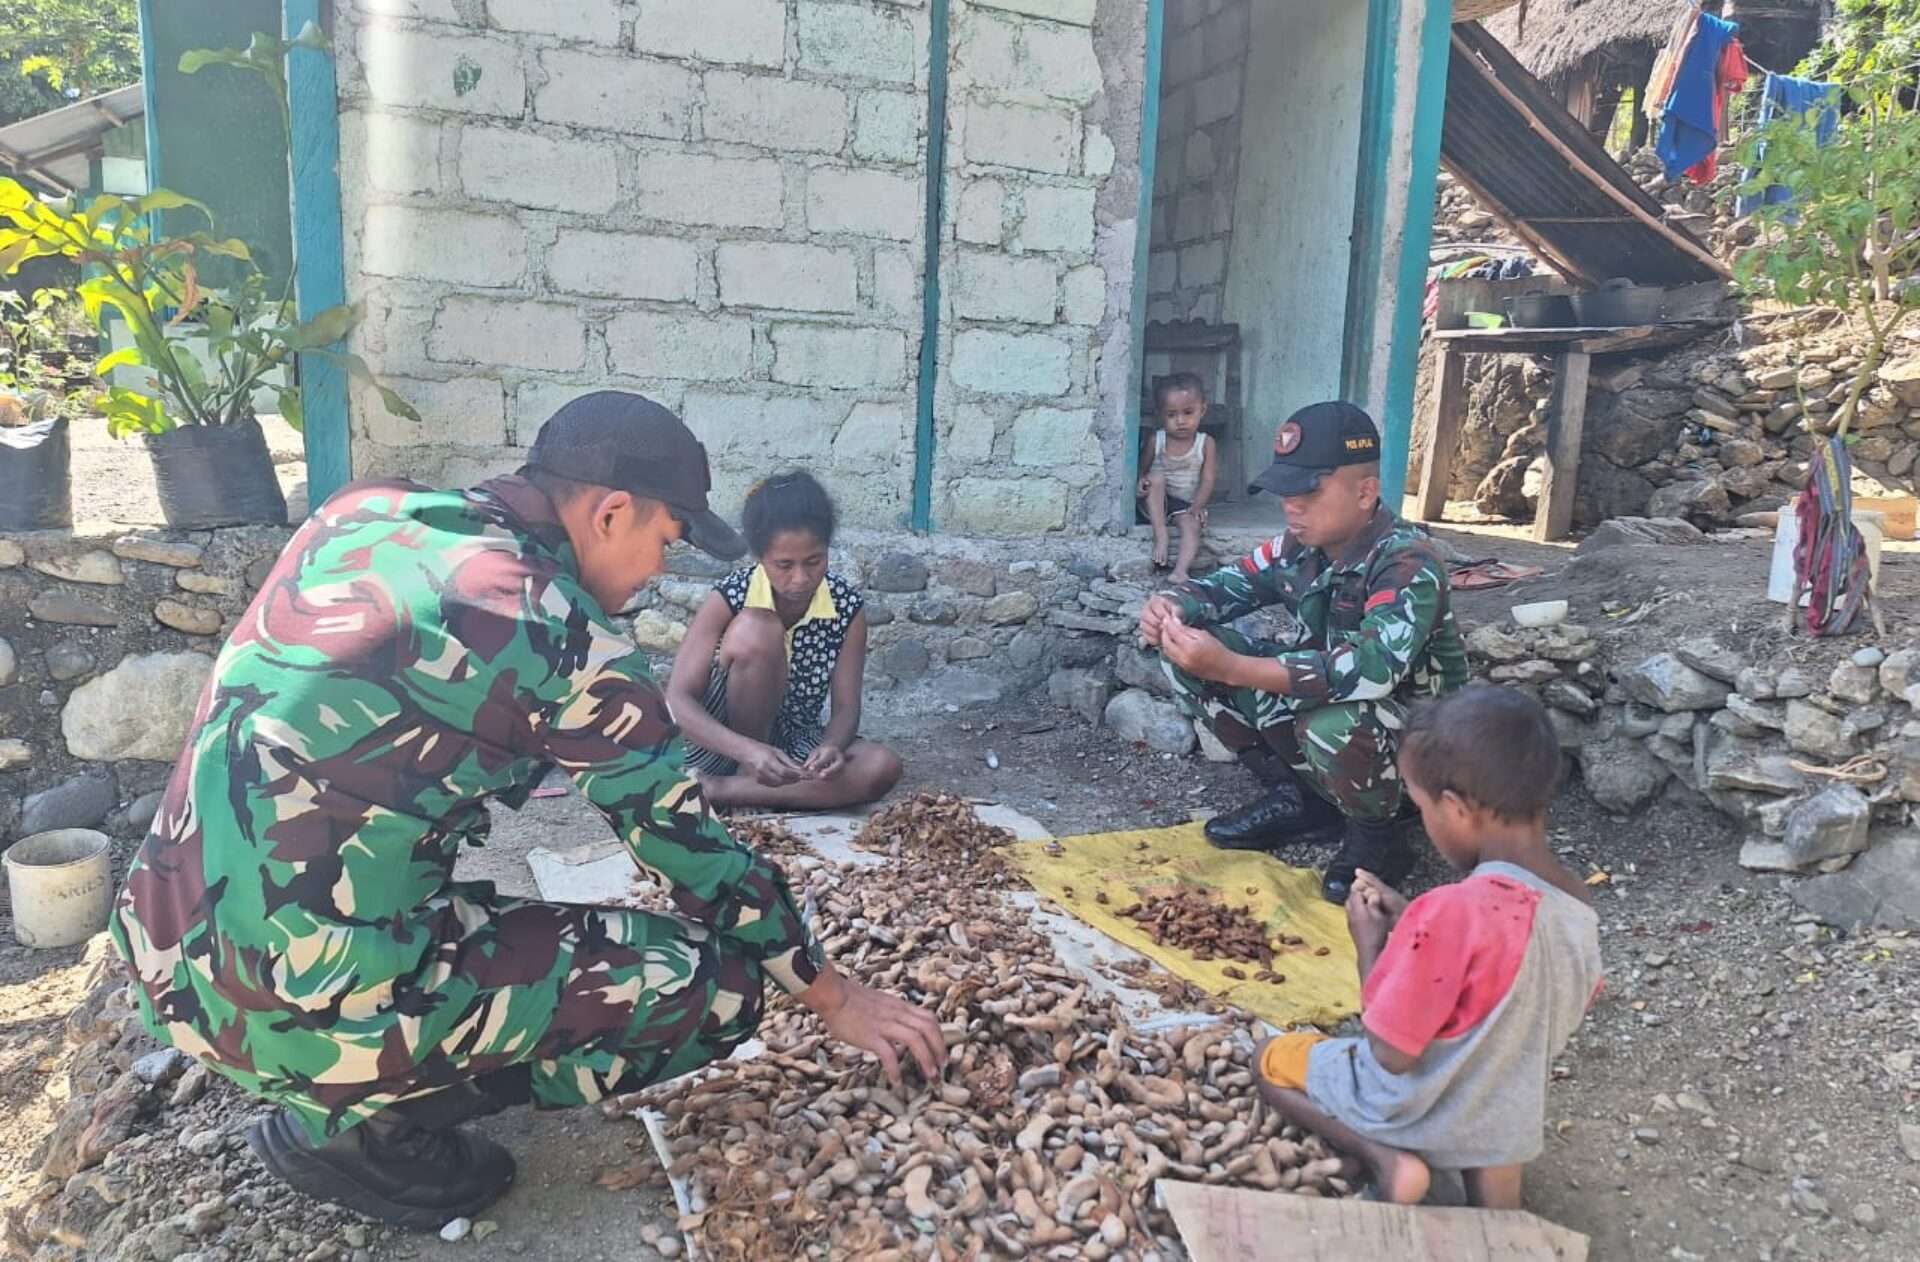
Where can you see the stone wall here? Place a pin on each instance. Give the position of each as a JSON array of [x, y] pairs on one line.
[[1197, 159], [721, 204]]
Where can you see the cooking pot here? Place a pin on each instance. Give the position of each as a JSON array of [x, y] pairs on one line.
[[1618, 304], [1540, 311]]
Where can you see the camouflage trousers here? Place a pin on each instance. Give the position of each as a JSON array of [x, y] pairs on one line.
[[1344, 751], [592, 1000]]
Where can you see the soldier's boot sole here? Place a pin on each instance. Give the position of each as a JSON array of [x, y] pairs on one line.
[[395, 1172]]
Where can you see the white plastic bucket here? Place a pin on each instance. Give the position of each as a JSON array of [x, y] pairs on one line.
[[1786, 537], [61, 886]]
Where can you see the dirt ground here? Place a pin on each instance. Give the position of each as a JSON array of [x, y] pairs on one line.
[[1737, 1092]]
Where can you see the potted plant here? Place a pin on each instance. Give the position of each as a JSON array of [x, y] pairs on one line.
[[36, 456]]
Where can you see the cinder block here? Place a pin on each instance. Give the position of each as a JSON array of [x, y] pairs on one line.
[[856, 42], [983, 212], [1023, 136], [1056, 219], [1193, 217], [789, 277], [1012, 363], [424, 10], [550, 336], [390, 152], [1216, 97], [545, 172], [1084, 294], [1005, 287], [594, 20], [763, 426], [624, 265], [536, 401], [896, 282], [1203, 264], [466, 412], [721, 192], [739, 32], [681, 347], [967, 437], [1078, 12], [775, 113], [616, 93], [872, 432], [1163, 271], [838, 358], [460, 73], [1053, 438], [869, 203], [1005, 506], [886, 127], [1029, 58], [444, 245]]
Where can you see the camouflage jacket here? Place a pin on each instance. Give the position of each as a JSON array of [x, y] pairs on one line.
[[412, 653], [1369, 628]]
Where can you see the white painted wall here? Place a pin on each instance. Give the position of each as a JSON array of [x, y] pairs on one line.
[[1293, 209]]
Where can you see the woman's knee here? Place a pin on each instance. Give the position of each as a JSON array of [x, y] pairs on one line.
[[879, 769], [754, 639]]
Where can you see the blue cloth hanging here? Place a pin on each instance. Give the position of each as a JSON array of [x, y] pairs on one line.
[[1689, 131], [1784, 94]]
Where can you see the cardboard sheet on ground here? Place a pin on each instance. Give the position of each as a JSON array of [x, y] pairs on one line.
[[1128, 867]]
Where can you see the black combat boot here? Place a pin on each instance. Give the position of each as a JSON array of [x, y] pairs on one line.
[[1378, 845], [1288, 811], [393, 1167]]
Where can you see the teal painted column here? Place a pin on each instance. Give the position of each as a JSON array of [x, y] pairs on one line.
[[1370, 198], [1416, 240], [920, 516], [321, 278], [1143, 249]]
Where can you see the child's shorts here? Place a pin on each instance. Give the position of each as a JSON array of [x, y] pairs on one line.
[[1175, 507], [1283, 1061]]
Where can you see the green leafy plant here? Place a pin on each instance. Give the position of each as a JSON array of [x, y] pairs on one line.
[[1850, 236], [1869, 41], [82, 47], [33, 332]]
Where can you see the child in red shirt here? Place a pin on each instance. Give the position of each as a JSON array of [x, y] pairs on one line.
[[1469, 991]]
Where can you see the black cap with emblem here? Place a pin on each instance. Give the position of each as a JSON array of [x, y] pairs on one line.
[[1315, 441], [627, 442]]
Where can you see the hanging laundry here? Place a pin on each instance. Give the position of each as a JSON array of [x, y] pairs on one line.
[[1785, 95], [1713, 68], [1659, 87]]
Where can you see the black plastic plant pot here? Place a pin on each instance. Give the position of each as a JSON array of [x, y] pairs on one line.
[[36, 476], [216, 475]]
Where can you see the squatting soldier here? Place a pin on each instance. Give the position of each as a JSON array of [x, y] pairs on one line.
[[291, 919], [1373, 629]]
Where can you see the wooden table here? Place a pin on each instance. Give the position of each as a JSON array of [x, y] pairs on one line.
[[1573, 351]]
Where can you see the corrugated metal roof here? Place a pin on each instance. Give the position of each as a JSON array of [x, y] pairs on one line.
[[53, 149], [1525, 159]]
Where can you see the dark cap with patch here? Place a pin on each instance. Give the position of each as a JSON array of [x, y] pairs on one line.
[[1315, 441], [627, 442]]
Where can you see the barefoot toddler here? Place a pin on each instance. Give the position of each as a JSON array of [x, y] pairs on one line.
[[1177, 471], [1469, 991]]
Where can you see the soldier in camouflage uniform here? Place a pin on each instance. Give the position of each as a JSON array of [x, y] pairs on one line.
[[291, 919], [1318, 718]]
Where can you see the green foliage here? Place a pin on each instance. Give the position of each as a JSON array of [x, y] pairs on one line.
[[33, 332], [80, 46], [1869, 40]]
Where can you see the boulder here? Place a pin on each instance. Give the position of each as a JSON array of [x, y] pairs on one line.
[[1772, 774], [1503, 492], [1812, 730], [1668, 684], [1140, 668], [1081, 691], [1627, 531], [1853, 682], [898, 572], [1881, 889], [1621, 775], [1741, 453], [1138, 715], [1829, 825], [1497, 643], [1710, 657], [1606, 491], [1703, 498], [1629, 437], [142, 708]]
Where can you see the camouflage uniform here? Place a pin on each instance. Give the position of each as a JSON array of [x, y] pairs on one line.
[[291, 919], [1370, 636]]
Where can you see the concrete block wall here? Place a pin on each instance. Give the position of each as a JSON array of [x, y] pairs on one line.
[[720, 203], [1197, 163]]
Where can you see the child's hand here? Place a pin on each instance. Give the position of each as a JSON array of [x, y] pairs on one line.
[[1391, 900], [1146, 484], [1367, 920]]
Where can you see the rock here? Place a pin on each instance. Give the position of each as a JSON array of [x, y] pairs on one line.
[[1605, 491], [80, 802], [1524, 673], [1704, 498], [1754, 683], [670, 1247], [898, 572], [192, 1085], [1138, 715], [1496, 643], [1903, 379], [1812, 730], [1740, 453], [1026, 649], [904, 659], [1853, 682], [58, 606], [1668, 684], [1010, 608], [933, 611], [456, 1231], [1910, 1141], [11, 554], [1068, 620], [1710, 657], [1757, 714], [657, 633], [1717, 404], [1793, 682], [1629, 531], [1210, 747], [1621, 775], [1869, 656], [259, 571], [176, 553], [1081, 691], [161, 1067], [968, 648], [1748, 482], [879, 612], [1629, 437], [1140, 668], [205, 584], [1880, 890], [9, 664], [1816, 378], [1571, 734], [1806, 1200], [974, 578], [1828, 825], [185, 618], [1570, 697], [1866, 1216], [203, 1143], [1503, 492], [14, 753], [94, 567], [1898, 673], [142, 708], [67, 660]]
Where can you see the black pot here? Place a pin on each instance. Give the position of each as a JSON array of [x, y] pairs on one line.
[[216, 475], [36, 476], [1620, 307], [1540, 311]]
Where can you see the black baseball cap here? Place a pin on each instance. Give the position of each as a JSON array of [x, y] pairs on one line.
[[625, 441], [1315, 441]]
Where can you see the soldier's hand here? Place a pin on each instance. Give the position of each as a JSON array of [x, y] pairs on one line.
[[1155, 616], [1196, 652], [772, 767], [883, 1024]]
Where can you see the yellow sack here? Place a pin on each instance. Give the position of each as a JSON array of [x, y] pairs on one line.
[[1320, 989]]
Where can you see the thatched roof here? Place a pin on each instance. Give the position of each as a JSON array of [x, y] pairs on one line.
[[1560, 33]]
